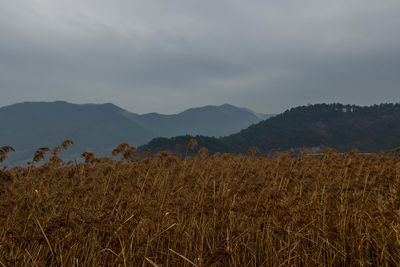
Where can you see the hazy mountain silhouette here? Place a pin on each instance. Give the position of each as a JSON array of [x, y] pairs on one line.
[[208, 120], [342, 127], [100, 127]]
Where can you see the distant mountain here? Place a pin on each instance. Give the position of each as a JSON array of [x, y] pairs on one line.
[[263, 116], [208, 120], [27, 126], [342, 127], [99, 128]]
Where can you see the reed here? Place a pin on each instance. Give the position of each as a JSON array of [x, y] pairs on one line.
[[280, 209]]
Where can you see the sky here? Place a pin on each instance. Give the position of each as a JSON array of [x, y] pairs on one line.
[[167, 56]]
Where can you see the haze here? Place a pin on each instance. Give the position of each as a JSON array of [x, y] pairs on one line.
[[166, 56]]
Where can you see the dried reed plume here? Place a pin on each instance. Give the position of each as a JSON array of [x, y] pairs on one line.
[[280, 209], [253, 150], [128, 152], [65, 145], [54, 158], [192, 143], [4, 150], [39, 154], [203, 152], [146, 152]]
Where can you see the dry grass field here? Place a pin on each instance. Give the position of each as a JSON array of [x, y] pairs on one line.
[[221, 210]]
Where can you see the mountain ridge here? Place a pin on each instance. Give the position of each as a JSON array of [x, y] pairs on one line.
[[342, 127], [100, 127]]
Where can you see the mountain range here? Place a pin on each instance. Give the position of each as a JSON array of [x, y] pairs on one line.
[[101, 127], [342, 127]]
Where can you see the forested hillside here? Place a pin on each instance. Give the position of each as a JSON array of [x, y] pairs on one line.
[[315, 127]]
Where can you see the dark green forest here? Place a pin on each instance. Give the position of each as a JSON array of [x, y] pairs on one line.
[[315, 127]]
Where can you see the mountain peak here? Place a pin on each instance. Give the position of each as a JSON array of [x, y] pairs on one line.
[[101, 127], [342, 127]]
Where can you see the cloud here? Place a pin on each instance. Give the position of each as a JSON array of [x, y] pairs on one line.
[[167, 56]]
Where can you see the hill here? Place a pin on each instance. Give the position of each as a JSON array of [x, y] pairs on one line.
[[29, 125], [315, 127], [208, 120], [101, 127]]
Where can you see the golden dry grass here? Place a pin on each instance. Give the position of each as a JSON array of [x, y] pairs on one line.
[[221, 210]]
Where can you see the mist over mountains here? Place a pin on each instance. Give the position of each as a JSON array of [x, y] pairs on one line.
[[101, 127]]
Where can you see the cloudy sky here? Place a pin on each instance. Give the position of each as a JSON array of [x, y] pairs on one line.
[[166, 56]]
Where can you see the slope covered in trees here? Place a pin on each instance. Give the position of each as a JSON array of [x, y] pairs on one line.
[[315, 127]]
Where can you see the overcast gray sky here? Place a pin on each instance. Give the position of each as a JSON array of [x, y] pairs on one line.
[[166, 56]]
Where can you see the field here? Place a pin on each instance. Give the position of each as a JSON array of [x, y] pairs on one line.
[[280, 209]]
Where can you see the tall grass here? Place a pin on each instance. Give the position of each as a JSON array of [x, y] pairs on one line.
[[159, 210]]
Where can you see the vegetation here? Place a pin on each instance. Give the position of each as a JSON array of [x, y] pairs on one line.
[[343, 127], [220, 210], [100, 127]]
